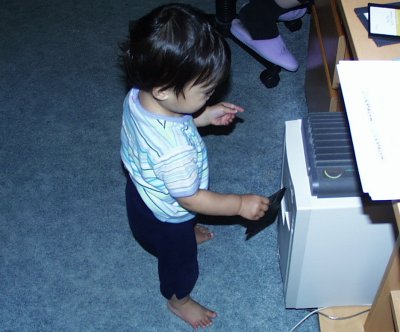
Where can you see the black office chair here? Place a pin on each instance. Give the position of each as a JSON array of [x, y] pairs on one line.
[[225, 12]]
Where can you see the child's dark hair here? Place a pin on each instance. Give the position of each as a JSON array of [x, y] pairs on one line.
[[172, 46]]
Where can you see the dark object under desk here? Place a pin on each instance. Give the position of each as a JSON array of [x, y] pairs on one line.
[[225, 12]]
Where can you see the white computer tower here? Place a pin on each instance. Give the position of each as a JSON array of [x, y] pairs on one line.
[[333, 251]]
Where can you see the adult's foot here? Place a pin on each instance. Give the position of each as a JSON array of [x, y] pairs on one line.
[[293, 15], [202, 233], [191, 312], [273, 50]]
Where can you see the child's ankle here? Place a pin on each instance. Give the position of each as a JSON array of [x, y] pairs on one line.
[[176, 303]]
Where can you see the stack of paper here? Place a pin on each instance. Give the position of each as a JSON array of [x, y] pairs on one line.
[[371, 91]]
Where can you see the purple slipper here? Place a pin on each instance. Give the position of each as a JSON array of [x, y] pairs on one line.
[[273, 50], [292, 15]]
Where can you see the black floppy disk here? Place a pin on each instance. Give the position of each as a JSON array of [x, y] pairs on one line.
[[255, 227]]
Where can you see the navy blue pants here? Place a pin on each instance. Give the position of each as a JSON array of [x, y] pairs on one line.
[[174, 245], [260, 18]]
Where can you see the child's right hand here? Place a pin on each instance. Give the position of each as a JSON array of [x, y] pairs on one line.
[[253, 207]]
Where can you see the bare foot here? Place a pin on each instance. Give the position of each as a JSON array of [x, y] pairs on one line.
[[202, 233], [191, 312]]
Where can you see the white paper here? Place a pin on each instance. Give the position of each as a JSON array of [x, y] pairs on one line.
[[384, 21], [371, 91]]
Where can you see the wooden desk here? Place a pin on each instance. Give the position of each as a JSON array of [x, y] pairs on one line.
[[326, 47], [380, 318], [362, 47]]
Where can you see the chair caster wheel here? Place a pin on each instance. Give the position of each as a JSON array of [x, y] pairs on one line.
[[270, 77], [294, 25]]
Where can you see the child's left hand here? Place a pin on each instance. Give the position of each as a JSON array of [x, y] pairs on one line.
[[221, 114]]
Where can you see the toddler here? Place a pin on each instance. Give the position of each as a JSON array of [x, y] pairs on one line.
[[174, 60]]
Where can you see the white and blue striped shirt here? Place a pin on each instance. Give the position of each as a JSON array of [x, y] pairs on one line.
[[165, 157]]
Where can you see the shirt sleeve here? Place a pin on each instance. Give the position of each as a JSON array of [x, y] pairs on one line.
[[179, 172]]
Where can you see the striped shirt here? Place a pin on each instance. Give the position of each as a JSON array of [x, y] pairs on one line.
[[165, 156]]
